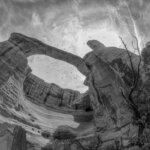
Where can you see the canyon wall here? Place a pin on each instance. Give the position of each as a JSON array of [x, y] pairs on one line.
[[49, 94]]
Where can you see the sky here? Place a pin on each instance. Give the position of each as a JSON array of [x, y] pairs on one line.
[[69, 24]]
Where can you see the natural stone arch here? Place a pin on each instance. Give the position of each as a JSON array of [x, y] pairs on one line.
[[30, 46]]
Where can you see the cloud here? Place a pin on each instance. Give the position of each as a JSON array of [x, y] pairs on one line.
[[21, 13]]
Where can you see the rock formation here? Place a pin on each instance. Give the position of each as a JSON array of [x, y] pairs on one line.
[[49, 94], [112, 114], [12, 137]]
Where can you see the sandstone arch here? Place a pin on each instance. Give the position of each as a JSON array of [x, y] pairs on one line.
[[30, 46]]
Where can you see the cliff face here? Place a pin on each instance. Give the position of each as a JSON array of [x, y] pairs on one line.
[[13, 62], [107, 115], [48, 94]]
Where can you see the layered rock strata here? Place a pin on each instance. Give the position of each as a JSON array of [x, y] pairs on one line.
[[49, 94]]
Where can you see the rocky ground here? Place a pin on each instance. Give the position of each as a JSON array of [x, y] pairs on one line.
[[112, 115]]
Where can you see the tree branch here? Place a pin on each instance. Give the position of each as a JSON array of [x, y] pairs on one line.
[[131, 63], [131, 102]]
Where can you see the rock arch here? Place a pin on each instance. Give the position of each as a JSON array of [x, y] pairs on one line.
[[30, 46]]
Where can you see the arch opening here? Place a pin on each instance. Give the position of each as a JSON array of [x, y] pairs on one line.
[[58, 72]]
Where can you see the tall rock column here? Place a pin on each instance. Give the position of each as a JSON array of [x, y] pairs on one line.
[[105, 87], [19, 140], [12, 137]]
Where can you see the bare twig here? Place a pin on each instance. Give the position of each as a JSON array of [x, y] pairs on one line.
[[140, 60], [131, 63], [99, 143], [138, 69], [80, 145], [131, 102]]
